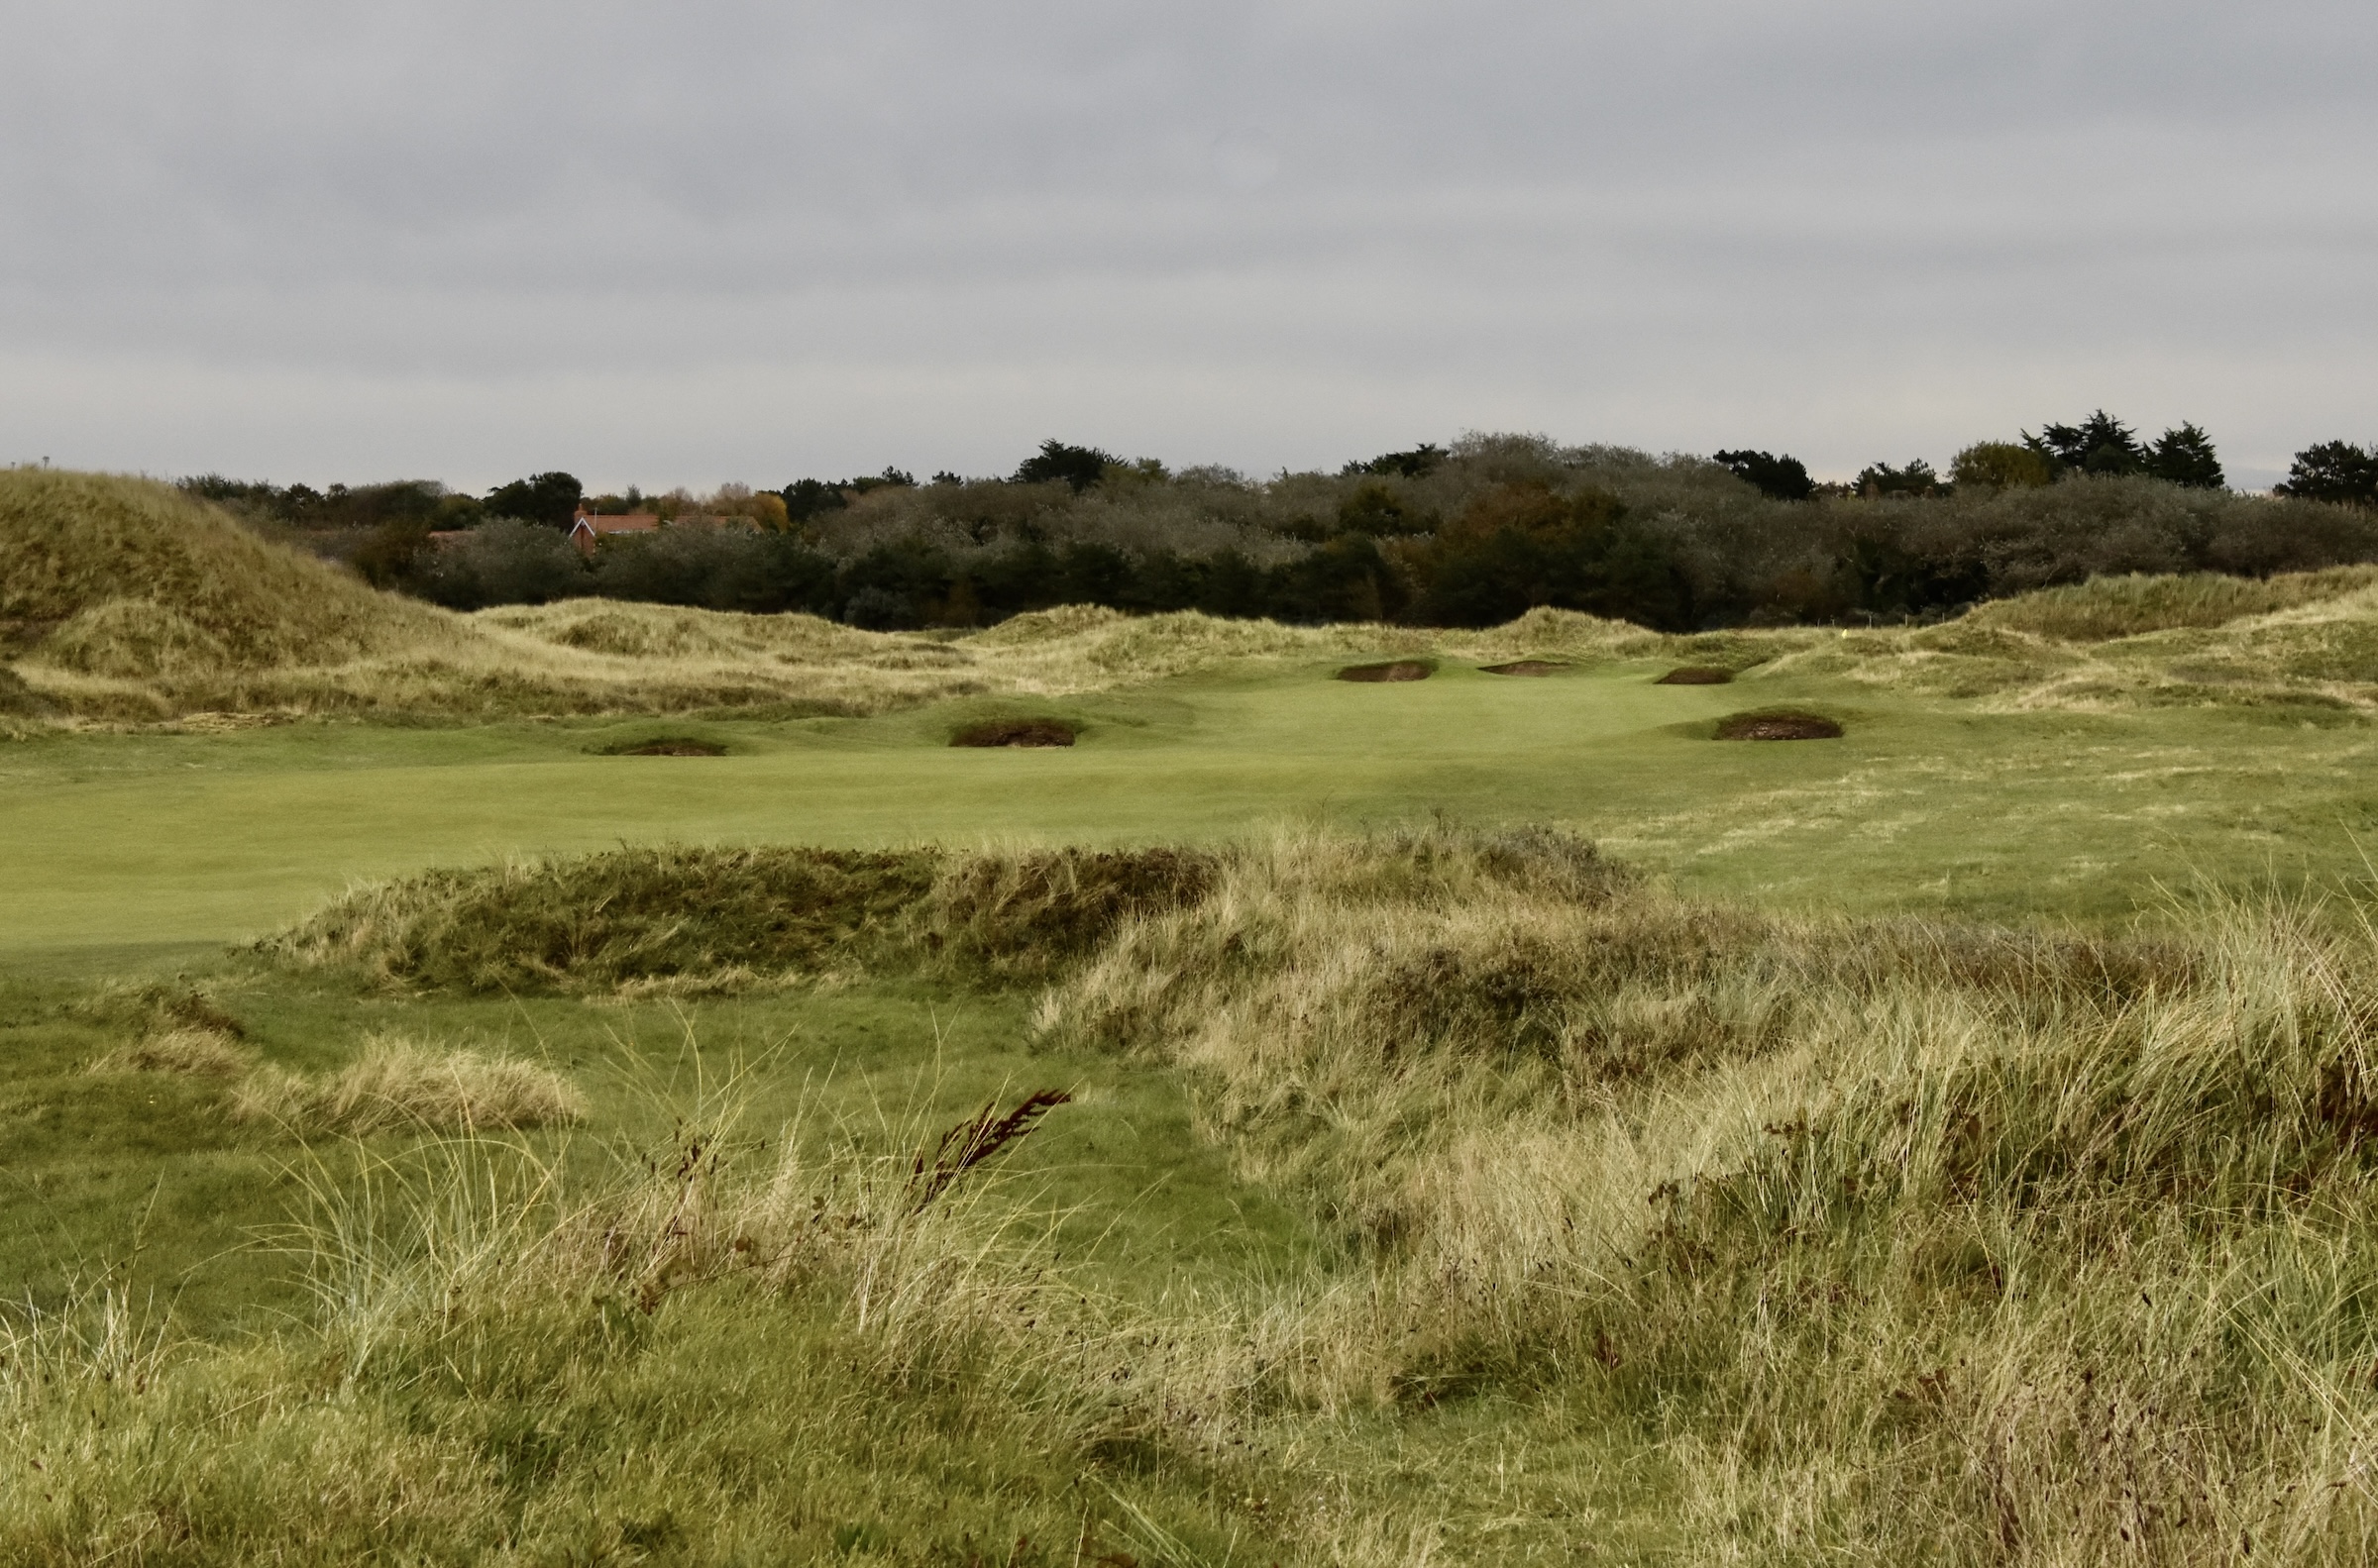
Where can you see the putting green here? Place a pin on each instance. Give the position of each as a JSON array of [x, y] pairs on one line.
[[128, 840]]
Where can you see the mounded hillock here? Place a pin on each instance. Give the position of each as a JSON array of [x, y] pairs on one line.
[[126, 577], [2104, 608], [720, 918]]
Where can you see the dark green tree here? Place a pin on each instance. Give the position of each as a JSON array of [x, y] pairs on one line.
[[2100, 444], [1417, 464], [548, 499], [1785, 478], [2333, 471], [805, 499], [1881, 478], [1079, 466], [2185, 455]]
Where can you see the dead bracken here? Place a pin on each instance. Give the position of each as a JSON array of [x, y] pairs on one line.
[[1523, 667], [1393, 670], [1695, 675], [1016, 732], [1779, 724]]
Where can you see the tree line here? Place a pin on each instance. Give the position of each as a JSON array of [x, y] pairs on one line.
[[1468, 534]]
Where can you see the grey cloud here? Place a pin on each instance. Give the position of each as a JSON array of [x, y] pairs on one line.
[[319, 241]]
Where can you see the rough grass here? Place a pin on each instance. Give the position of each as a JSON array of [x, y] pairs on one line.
[[722, 918], [691, 1356], [2104, 608], [186, 1053], [1878, 1241], [398, 1083], [126, 577], [1906, 1242]]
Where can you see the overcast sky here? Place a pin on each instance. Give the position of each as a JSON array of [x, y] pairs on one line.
[[716, 240]]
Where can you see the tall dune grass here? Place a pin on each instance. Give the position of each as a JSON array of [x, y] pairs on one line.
[[1910, 1243]]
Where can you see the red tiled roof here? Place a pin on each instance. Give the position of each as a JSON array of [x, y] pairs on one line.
[[615, 522]]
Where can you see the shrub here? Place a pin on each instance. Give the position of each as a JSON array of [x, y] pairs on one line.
[[1999, 465], [505, 561], [1521, 545]]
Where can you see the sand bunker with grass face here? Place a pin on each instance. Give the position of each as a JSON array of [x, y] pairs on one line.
[[1523, 667], [1695, 675], [1779, 726], [1394, 669], [1016, 732]]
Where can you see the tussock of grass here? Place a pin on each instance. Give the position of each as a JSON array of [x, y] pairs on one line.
[[188, 1053], [397, 1083]]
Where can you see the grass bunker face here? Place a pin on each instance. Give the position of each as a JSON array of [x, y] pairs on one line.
[[1016, 732], [665, 746], [1779, 724], [1696, 676], [1393, 670], [1524, 667]]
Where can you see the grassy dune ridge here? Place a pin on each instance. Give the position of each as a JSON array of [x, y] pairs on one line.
[[130, 602]]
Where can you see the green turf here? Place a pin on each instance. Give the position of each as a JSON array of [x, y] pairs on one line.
[[121, 841]]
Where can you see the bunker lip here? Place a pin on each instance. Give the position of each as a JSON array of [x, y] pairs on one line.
[[1392, 669], [1695, 675], [1778, 724], [1524, 667], [664, 746], [1016, 732]]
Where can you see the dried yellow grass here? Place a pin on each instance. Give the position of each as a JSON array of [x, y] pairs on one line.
[[188, 1053], [397, 1083]]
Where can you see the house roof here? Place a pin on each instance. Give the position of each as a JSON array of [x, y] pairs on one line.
[[615, 522]]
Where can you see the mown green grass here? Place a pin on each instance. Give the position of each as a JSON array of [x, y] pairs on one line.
[[166, 838]]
